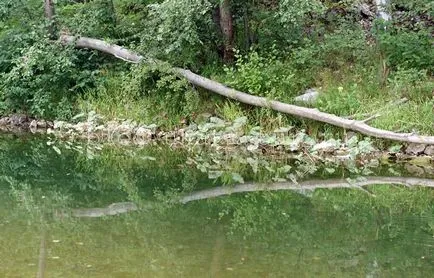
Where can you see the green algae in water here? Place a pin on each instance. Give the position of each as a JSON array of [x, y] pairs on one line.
[[345, 232]]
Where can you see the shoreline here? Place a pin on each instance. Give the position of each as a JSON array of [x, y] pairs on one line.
[[212, 133]]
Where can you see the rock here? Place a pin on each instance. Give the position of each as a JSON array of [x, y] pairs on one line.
[[430, 150], [364, 9], [143, 133], [125, 129], [33, 125], [413, 169], [61, 125], [203, 118], [230, 138], [81, 127], [18, 120], [415, 149], [42, 124], [180, 132], [326, 146], [309, 97], [4, 121], [170, 135]]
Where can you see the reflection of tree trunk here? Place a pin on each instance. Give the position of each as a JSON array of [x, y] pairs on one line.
[[227, 29], [49, 15], [124, 207], [306, 185], [42, 255], [221, 89]]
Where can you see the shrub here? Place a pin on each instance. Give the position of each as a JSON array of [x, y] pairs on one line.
[[262, 75], [42, 78], [407, 48]]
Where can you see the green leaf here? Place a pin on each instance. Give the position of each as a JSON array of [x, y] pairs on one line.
[[237, 178], [56, 149], [214, 174]]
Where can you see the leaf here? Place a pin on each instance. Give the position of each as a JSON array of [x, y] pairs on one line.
[[285, 169], [90, 154], [81, 115], [214, 174], [241, 120], [292, 178], [395, 148], [149, 158], [237, 178], [252, 148], [393, 172], [253, 163], [330, 170], [352, 142], [56, 149], [365, 146], [283, 129]]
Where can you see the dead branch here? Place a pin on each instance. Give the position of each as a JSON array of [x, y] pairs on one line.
[[218, 88]]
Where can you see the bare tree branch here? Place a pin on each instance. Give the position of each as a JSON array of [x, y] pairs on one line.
[[218, 88]]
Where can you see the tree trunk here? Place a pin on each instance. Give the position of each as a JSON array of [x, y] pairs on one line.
[[227, 29], [49, 15], [218, 88]]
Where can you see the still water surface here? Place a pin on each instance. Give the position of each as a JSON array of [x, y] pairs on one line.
[[325, 233]]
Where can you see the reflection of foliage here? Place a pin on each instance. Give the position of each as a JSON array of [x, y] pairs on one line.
[[34, 202], [258, 214], [344, 230], [349, 213]]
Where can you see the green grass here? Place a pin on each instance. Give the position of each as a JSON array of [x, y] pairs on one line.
[[354, 90], [361, 95]]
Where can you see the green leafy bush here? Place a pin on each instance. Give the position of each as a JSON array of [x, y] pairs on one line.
[[44, 76], [165, 96], [95, 18], [343, 46], [407, 48], [262, 75], [179, 31]]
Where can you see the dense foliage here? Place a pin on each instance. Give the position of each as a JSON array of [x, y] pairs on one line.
[[281, 49]]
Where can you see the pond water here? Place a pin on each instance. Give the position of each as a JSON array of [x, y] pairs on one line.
[[49, 190]]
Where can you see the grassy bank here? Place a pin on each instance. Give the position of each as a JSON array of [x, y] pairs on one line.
[[362, 66], [402, 101]]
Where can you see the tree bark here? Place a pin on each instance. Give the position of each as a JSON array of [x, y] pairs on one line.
[[218, 88], [227, 29], [49, 15]]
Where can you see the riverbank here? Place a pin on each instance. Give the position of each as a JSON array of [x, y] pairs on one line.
[[216, 133]]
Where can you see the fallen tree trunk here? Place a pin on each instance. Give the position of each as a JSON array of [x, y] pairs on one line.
[[218, 88]]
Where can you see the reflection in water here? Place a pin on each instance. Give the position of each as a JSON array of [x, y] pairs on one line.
[[307, 185], [165, 221]]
